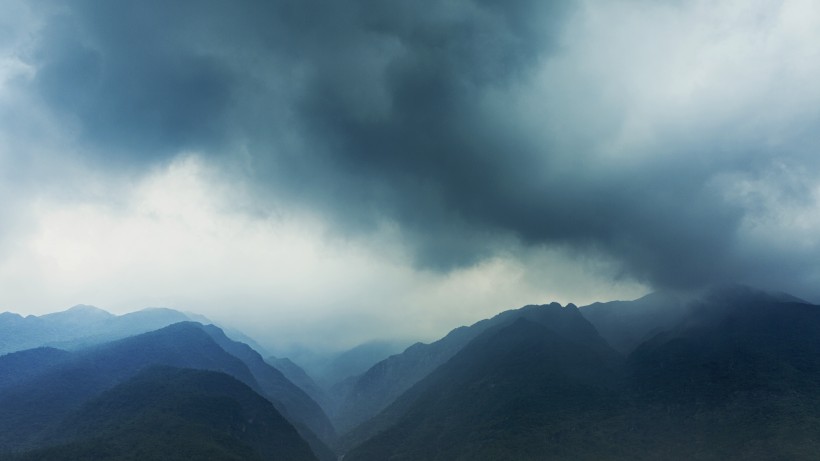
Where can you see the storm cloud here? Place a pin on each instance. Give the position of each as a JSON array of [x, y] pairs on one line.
[[678, 139]]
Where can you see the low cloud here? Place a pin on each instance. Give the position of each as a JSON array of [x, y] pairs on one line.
[[673, 143]]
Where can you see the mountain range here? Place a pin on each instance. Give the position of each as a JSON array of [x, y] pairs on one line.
[[729, 372]]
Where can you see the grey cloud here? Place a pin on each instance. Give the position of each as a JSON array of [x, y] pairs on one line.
[[374, 110]]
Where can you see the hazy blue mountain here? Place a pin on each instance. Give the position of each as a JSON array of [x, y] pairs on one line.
[[298, 376], [85, 373], [288, 398], [357, 360], [83, 326], [79, 327], [175, 414], [32, 405], [516, 392], [20, 333], [368, 394], [18, 367]]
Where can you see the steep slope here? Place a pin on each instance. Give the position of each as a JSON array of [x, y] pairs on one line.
[[374, 390], [175, 414], [32, 405], [299, 377], [626, 324], [288, 398], [517, 392], [737, 379]]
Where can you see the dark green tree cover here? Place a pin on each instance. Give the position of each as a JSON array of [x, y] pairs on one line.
[[737, 378], [174, 414], [34, 405]]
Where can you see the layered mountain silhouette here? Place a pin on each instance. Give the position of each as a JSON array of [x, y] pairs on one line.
[[295, 374], [53, 390], [311, 421], [735, 377], [168, 414], [82, 326], [508, 394], [368, 394], [728, 372]]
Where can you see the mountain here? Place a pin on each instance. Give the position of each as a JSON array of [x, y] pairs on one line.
[[295, 374], [368, 394], [19, 333], [168, 414], [734, 378], [18, 367], [737, 378], [626, 324], [518, 391], [80, 326], [355, 361], [31, 405], [289, 399]]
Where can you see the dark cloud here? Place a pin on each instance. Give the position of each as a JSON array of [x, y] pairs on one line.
[[414, 113]]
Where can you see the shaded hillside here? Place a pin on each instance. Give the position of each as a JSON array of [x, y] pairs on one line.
[[298, 376], [626, 324], [289, 399], [18, 367], [735, 378], [374, 390], [519, 391], [31, 406], [175, 414]]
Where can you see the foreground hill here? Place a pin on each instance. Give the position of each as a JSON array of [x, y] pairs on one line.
[[173, 414], [736, 377], [59, 385]]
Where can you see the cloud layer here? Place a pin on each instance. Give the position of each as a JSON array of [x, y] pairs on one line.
[[676, 141]]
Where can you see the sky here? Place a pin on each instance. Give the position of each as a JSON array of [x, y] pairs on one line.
[[329, 172]]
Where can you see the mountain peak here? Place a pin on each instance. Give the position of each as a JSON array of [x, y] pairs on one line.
[[87, 309], [80, 313]]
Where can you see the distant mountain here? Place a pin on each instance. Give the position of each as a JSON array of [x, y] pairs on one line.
[[299, 377], [356, 361], [516, 392], [368, 394], [79, 327], [175, 414]]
